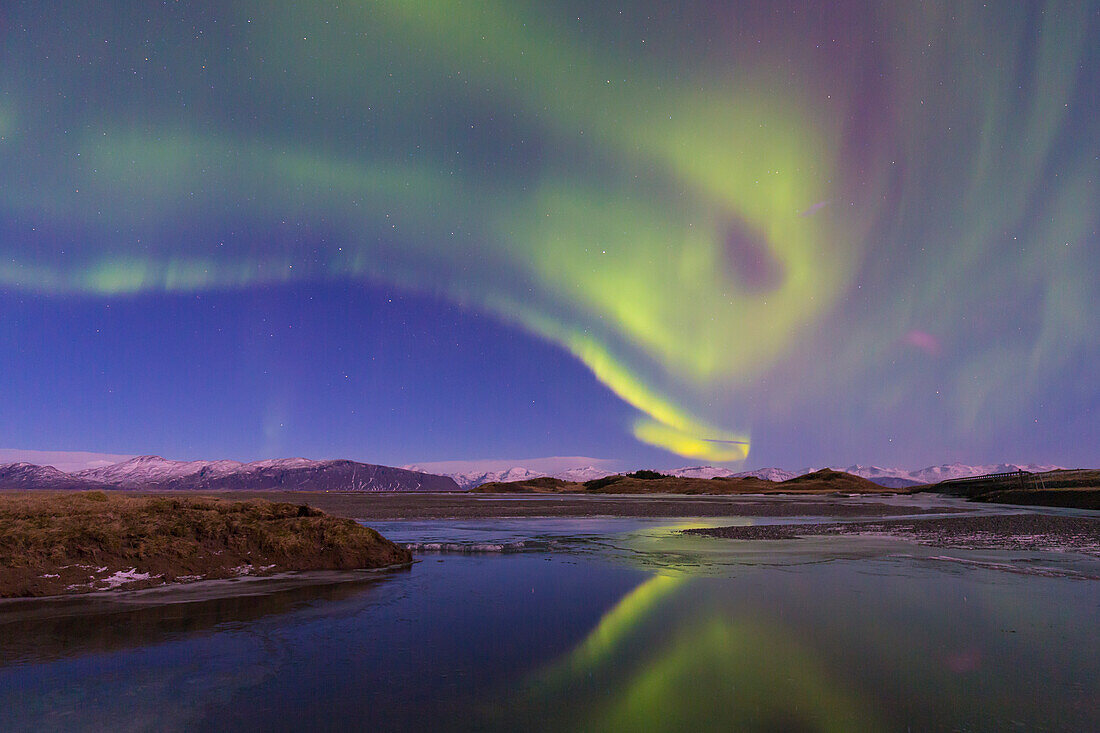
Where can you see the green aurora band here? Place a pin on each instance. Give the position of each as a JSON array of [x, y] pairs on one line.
[[709, 671], [690, 221]]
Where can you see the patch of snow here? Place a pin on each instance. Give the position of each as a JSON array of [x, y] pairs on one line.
[[281, 464], [476, 547], [122, 577]]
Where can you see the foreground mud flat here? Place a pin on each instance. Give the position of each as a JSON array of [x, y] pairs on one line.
[[63, 543]]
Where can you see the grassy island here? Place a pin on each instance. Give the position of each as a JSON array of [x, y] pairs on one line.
[[60, 543]]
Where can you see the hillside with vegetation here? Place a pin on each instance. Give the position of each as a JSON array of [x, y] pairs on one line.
[[59, 543]]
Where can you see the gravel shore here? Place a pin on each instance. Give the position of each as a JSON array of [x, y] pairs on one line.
[[999, 532]]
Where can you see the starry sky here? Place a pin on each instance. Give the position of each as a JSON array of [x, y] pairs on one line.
[[738, 233]]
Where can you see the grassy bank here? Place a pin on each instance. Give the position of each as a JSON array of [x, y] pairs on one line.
[[60, 543]]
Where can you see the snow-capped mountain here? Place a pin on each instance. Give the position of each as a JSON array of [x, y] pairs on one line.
[[588, 473], [892, 477], [519, 473], [900, 477], [154, 472], [145, 470], [932, 474], [288, 474], [873, 472], [767, 474], [31, 476], [470, 480], [700, 472]]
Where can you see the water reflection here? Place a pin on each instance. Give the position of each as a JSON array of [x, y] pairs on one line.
[[642, 668], [626, 625], [40, 630], [885, 645]]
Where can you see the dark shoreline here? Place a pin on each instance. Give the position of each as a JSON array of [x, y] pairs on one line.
[[411, 506]]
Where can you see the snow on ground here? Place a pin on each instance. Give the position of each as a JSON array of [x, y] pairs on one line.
[[122, 577]]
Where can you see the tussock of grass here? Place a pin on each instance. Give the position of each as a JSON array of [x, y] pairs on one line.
[[73, 542]]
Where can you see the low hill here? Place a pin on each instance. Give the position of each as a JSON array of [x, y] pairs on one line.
[[79, 542], [539, 485], [824, 481], [829, 480]]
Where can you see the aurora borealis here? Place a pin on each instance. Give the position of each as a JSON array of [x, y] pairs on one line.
[[816, 229]]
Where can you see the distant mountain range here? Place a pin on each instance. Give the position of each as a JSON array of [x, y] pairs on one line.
[[287, 474], [518, 473], [30, 476], [899, 478], [301, 474], [767, 474], [895, 478]]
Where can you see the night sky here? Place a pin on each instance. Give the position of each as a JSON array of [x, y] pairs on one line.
[[663, 233]]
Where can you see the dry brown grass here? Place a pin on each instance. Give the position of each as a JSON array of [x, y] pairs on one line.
[[53, 543]]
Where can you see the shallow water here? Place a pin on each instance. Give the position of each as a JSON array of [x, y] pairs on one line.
[[582, 624]]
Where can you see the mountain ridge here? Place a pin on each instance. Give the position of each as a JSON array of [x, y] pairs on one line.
[[286, 474], [895, 478], [302, 474]]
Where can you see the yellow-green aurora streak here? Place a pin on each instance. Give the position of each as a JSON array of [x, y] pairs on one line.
[[685, 228]]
